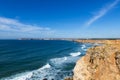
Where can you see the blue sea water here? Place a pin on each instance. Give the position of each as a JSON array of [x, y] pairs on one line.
[[39, 59]]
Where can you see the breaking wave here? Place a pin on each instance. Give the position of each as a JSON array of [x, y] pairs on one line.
[[53, 70], [75, 54]]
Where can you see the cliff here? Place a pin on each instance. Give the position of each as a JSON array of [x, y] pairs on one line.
[[100, 62]]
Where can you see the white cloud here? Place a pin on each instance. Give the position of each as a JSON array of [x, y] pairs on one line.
[[12, 25], [102, 12]]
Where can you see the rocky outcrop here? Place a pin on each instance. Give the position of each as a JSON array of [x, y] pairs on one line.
[[69, 78], [100, 62]]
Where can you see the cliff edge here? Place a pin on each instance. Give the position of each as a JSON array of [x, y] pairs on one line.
[[100, 62]]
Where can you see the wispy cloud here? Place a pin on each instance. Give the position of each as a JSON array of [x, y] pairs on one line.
[[102, 12], [12, 25]]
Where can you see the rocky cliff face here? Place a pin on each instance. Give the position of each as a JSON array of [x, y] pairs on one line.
[[100, 62]]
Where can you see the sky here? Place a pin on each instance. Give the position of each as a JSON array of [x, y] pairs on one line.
[[59, 19]]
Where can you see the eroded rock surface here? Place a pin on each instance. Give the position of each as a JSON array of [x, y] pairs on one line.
[[100, 62]]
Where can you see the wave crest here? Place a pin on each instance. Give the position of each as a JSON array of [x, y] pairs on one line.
[[75, 54]]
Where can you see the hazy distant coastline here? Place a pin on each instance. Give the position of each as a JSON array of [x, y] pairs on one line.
[[71, 39]]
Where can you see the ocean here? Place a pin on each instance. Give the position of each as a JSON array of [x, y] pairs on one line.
[[39, 59]]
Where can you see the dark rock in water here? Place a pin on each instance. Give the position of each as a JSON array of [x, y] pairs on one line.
[[45, 79]]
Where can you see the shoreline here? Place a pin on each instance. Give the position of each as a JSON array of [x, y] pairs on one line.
[[91, 66]]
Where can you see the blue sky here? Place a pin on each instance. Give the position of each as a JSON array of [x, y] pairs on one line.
[[59, 19]]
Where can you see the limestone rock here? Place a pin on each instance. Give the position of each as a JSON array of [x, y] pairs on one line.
[[100, 63]]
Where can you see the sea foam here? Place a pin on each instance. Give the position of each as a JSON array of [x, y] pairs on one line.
[[20, 76], [52, 70], [47, 71], [75, 54], [83, 46], [46, 66]]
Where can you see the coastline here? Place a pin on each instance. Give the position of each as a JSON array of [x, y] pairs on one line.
[[97, 59], [100, 62]]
